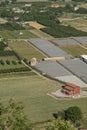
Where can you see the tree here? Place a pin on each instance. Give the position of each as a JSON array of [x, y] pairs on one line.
[[73, 113], [12, 116], [59, 124]]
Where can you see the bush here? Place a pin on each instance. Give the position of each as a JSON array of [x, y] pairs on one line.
[[2, 46], [19, 62], [8, 62], [74, 114], [2, 62], [14, 62]]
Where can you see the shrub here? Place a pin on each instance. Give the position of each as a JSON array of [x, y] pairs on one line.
[[2, 62], [19, 62], [8, 62], [14, 62]]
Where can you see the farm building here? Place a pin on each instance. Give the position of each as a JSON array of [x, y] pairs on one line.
[[84, 58], [71, 89]]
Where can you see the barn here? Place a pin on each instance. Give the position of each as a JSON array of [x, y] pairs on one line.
[[71, 89]]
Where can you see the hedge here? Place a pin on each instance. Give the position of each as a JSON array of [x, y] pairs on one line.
[[15, 70]]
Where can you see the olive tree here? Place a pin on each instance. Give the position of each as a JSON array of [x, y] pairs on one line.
[[60, 124], [12, 116]]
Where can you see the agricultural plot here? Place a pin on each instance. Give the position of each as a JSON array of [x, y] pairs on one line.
[[32, 91], [73, 79], [82, 25], [85, 45], [82, 40], [75, 50], [52, 69], [22, 34], [40, 34], [36, 25], [48, 48], [76, 66], [83, 5], [25, 50], [59, 72], [65, 42]]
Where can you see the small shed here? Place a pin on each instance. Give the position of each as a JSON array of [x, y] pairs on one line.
[[71, 89]]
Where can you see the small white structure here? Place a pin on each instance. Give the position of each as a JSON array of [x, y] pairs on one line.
[[27, 5], [76, 8], [33, 62], [84, 58], [20, 33]]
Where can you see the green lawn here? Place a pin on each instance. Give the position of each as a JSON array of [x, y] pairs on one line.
[[22, 34], [25, 50], [74, 50], [32, 91]]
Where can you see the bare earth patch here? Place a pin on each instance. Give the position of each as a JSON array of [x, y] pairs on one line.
[[2, 20], [36, 25]]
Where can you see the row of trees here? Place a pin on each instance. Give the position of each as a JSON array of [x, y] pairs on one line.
[[11, 26], [63, 31], [9, 53], [21, 69], [8, 62]]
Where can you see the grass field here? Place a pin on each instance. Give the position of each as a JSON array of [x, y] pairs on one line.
[[17, 34], [40, 34], [82, 25], [11, 65], [83, 5], [25, 50], [36, 25], [74, 50], [32, 91], [85, 45]]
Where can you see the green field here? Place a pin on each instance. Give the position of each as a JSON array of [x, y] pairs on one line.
[[32, 91], [25, 50], [74, 50], [22, 34]]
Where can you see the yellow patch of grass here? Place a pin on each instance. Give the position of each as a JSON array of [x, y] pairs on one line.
[[36, 25]]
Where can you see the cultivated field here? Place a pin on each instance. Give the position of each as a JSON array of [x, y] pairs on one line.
[[25, 50], [36, 25], [75, 50], [83, 5], [40, 34], [22, 34], [32, 90], [79, 23]]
